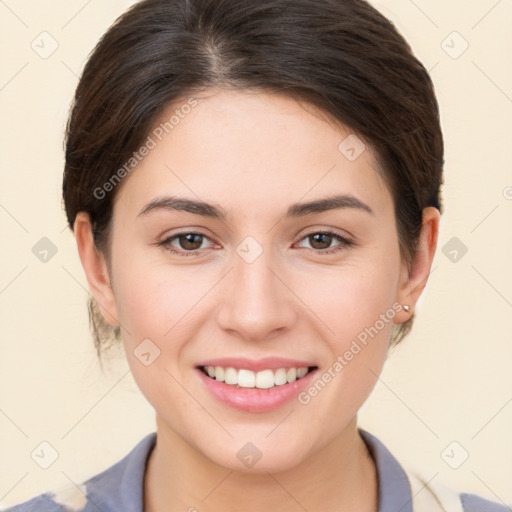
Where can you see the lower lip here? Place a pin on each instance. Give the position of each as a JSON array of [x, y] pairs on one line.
[[254, 399]]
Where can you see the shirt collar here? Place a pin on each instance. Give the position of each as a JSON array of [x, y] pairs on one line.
[[120, 487], [394, 488]]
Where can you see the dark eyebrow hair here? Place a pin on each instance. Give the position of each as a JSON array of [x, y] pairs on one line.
[[216, 212]]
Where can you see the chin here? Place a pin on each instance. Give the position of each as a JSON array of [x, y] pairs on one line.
[[251, 460], [254, 453]]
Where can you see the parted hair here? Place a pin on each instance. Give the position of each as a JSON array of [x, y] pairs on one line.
[[341, 56]]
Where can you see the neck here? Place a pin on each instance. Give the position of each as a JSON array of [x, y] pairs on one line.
[[341, 476]]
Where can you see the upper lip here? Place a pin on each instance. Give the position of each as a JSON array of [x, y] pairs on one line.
[[267, 363]]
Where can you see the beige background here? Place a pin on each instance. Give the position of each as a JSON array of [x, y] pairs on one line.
[[449, 381]]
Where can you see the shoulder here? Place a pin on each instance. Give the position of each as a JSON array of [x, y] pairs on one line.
[[428, 493], [409, 491], [475, 503], [64, 499], [118, 488], [41, 503]]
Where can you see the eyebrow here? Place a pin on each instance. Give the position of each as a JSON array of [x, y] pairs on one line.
[[216, 212]]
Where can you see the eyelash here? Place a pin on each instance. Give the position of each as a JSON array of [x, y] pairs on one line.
[[344, 243]]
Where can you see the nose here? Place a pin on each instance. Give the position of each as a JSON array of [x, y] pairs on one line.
[[257, 302]]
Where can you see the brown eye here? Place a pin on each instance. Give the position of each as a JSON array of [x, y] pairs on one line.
[[184, 244], [321, 242], [190, 241]]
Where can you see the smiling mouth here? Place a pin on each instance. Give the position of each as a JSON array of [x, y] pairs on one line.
[[264, 379]]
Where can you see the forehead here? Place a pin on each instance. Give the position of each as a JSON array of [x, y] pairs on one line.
[[248, 149]]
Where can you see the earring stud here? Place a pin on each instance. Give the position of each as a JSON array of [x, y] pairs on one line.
[[406, 307]]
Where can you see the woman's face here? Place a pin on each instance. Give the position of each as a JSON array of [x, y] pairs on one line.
[[255, 288]]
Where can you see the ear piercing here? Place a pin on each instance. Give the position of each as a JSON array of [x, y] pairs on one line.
[[406, 307]]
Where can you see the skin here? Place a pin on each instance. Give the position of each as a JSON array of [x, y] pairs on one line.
[[254, 154]]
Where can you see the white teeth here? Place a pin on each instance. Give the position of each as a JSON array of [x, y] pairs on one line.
[[219, 373], [301, 372], [230, 376], [280, 377], [264, 379], [246, 378], [291, 375]]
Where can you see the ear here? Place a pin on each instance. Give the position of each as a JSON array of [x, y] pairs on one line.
[[95, 267], [413, 283]]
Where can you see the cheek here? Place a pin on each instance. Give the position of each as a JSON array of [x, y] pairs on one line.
[[154, 299], [350, 299], [361, 317], [355, 306]]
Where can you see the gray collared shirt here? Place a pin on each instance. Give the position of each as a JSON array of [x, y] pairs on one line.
[[120, 488]]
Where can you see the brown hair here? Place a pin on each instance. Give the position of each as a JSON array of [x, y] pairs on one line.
[[341, 56]]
